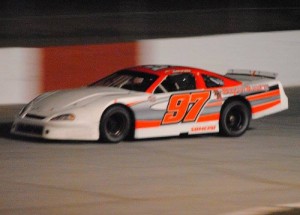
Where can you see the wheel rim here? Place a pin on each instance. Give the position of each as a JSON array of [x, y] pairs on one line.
[[235, 119], [116, 125]]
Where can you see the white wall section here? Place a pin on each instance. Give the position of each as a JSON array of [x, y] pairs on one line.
[[19, 74], [273, 51], [21, 68]]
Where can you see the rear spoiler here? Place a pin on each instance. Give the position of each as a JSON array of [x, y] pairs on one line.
[[254, 73]]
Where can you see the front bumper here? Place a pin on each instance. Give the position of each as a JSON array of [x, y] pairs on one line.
[[56, 130]]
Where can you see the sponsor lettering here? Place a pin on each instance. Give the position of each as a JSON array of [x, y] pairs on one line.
[[203, 128], [246, 89], [181, 71]]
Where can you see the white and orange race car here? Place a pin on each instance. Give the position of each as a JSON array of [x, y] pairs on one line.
[[154, 101]]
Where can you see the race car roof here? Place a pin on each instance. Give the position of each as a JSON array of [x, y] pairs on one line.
[[163, 70], [170, 69], [158, 69]]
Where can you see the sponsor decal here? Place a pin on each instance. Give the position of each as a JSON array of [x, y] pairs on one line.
[[181, 71], [244, 89], [218, 94], [203, 128]]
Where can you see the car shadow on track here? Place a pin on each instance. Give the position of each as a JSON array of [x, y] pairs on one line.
[[6, 126], [192, 136], [5, 134]]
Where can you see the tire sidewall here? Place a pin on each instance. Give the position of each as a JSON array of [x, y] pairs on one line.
[[246, 114], [104, 135]]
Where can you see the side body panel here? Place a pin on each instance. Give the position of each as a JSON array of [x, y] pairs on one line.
[[264, 97], [172, 114]]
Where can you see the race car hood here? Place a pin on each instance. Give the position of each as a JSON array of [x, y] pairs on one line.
[[56, 101]]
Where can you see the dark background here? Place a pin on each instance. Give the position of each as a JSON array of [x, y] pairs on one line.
[[42, 23], [15, 8]]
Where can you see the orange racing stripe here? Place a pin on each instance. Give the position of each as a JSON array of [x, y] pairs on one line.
[[157, 123], [209, 117], [264, 95], [213, 104], [134, 103], [265, 106], [147, 123]]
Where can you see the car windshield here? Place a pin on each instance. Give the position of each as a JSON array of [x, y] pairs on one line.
[[126, 79]]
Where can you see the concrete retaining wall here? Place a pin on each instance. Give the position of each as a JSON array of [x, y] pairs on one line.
[[26, 72]]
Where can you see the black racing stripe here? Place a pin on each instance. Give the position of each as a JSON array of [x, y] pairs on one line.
[[275, 87]]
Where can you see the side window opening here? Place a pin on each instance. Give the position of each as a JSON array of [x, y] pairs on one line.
[[211, 81], [177, 82], [160, 89]]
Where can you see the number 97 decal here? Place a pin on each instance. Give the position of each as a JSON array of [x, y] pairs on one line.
[[185, 107]]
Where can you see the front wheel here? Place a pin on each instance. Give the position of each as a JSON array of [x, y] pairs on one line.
[[235, 119], [115, 124]]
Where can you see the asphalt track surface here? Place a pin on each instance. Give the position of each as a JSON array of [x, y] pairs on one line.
[[205, 174]]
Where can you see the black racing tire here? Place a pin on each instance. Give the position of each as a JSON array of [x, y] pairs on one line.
[[115, 124], [235, 119]]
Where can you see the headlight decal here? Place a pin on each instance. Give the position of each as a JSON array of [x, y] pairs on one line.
[[64, 117]]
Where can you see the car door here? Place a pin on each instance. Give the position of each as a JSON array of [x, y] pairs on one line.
[[174, 108]]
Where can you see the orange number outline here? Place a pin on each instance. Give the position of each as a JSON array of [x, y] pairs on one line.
[[185, 107]]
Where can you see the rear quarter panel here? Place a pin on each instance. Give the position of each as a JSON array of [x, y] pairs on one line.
[[269, 102]]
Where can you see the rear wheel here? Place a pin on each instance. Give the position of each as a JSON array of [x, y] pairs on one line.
[[235, 119], [115, 124]]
